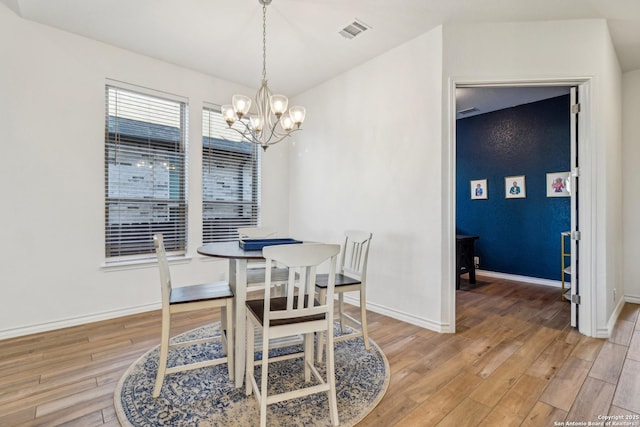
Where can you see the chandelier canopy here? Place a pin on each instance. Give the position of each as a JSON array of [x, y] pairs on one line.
[[273, 122]]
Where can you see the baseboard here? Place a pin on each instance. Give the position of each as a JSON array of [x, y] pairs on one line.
[[75, 321], [399, 315], [81, 320], [402, 316], [517, 278], [632, 299], [606, 333], [600, 333]]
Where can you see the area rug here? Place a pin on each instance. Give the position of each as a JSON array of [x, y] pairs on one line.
[[205, 397]]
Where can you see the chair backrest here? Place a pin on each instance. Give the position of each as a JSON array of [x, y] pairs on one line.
[[163, 264], [256, 232], [355, 254], [302, 261]]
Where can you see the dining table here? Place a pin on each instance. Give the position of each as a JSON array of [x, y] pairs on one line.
[[238, 260]]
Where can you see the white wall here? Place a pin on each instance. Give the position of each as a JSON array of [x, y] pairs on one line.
[[52, 216], [610, 286], [631, 183], [558, 50], [369, 158]]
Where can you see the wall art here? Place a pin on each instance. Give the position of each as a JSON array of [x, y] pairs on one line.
[[515, 187]]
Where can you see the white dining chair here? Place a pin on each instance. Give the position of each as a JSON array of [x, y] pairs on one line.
[[351, 277], [189, 298], [256, 232], [298, 312], [256, 270]]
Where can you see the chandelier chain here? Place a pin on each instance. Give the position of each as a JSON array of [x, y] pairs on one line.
[[264, 41]]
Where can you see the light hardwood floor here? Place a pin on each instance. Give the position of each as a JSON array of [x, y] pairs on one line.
[[514, 361]]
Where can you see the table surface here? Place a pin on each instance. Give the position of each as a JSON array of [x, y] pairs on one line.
[[465, 237], [228, 250]]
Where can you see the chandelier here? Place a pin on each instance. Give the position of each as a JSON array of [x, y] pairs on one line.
[[274, 122]]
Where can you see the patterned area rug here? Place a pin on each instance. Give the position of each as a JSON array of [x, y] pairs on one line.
[[205, 397]]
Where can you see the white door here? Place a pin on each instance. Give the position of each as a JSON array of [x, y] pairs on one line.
[[575, 226]]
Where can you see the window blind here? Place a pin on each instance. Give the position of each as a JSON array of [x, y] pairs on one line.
[[230, 180], [145, 164]]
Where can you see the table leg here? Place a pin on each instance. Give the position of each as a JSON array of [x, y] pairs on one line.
[[458, 258], [472, 265], [238, 282]]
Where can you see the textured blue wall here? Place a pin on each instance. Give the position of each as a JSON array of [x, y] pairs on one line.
[[517, 236]]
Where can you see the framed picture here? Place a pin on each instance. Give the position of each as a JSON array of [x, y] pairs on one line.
[[514, 187], [479, 189], [558, 184]]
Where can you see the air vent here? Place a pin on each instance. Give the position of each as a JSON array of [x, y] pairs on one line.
[[355, 28], [468, 111]]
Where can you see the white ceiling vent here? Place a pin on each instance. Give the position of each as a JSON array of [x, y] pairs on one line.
[[468, 111], [353, 29]]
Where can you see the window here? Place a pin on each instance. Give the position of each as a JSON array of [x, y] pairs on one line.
[[230, 180], [145, 163]]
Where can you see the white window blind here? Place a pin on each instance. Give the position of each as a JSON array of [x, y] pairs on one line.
[[145, 164], [230, 180]]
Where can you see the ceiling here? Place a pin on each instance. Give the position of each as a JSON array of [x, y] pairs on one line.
[[471, 101], [223, 38]]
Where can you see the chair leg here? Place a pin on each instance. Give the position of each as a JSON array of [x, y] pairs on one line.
[[264, 378], [223, 328], [331, 379], [363, 318], [164, 352], [341, 311], [250, 362], [308, 355], [230, 342], [322, 297]]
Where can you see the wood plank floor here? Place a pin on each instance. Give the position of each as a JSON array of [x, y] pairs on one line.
[[514, 361]]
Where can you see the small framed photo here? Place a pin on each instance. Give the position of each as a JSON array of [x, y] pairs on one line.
[[558, 184], [479, 189], [515, 187]]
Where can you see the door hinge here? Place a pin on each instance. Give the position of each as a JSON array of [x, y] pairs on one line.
[[575, 172], [575, 299], [575, 108], [576, 235]]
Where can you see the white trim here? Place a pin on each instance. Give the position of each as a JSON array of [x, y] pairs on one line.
[[76, 321], [400, 315], [146, 90], [517, 278], [449, 218], [587, 151], [632, 299], [143, 263], [606, 333]]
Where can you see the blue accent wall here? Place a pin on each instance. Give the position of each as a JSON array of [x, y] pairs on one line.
[[517, 236]]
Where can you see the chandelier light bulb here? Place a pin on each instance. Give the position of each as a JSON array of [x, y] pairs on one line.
[[278, 104], [297, 114], [257, 123], [241, 105], [287, 123], [228, 114]]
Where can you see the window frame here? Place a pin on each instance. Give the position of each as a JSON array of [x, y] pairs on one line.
[[222, 147], [141, 130]]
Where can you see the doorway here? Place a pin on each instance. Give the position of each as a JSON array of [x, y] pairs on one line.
[[514, 92]]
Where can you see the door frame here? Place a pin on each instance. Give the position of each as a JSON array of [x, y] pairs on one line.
[[586, 268]]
